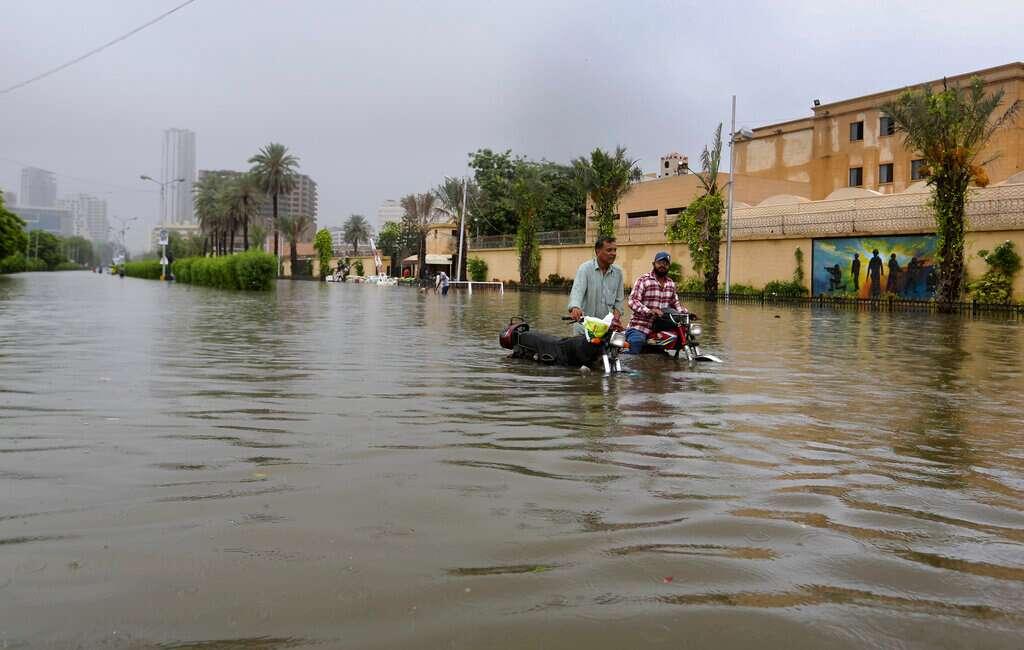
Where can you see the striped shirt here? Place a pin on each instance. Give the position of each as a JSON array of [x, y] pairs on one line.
[[648, 294]]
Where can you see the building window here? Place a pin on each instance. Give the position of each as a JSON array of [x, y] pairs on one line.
[[666, 164], [856, 176], [915, 169], [886, 125], [455, 233], [885, 173], [856, 131]]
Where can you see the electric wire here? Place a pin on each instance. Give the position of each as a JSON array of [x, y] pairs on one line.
[[97, 50]]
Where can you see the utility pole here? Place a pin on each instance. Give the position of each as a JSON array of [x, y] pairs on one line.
[[732, 185], [462, 227]]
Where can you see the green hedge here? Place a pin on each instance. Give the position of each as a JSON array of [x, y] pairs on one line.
[[13, 264], [250, 271], [146, 269]]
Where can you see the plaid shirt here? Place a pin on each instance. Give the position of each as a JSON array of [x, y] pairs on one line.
[[648, 294]]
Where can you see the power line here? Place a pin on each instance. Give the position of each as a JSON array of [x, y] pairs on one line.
[[97, 50]]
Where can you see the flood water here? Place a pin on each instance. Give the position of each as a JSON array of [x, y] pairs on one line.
[[362, 467]]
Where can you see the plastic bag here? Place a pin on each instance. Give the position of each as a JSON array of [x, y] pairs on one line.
[[597, 327]]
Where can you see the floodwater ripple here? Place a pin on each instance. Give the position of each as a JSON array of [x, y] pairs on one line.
[[843, 479]]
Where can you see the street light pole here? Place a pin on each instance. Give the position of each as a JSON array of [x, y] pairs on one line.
[[732, 185], [163, 187]]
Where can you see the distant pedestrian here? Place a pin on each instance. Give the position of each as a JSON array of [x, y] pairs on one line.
[[443, 282]]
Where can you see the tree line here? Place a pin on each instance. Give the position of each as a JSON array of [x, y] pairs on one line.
[[38, 250]]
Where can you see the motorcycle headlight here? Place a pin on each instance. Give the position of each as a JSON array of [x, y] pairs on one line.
[[618, 339], [696, 330]]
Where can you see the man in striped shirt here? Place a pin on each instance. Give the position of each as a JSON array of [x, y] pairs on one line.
[[652, 292]]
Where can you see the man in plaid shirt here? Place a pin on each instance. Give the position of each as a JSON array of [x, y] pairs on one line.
[[652, 292]]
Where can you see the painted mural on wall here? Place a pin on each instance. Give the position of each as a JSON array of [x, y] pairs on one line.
[[873, 267]]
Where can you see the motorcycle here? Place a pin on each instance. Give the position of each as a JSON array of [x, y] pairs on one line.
[[599, 343], [677, 331]]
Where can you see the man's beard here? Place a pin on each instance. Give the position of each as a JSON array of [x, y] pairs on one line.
[[661, 274]]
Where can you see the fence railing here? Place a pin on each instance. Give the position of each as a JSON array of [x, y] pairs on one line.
[[885, 303], [547, 238], [988, 209]]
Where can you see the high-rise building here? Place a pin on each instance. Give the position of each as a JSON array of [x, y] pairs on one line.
[[301, 200], [53, 220], [89, 215], [390, 211], [178, 161], [38, 188]]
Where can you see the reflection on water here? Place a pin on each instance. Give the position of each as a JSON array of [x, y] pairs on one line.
[[361, 466]]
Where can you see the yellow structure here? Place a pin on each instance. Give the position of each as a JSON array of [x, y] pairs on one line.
[[650, 205], [850, 143]]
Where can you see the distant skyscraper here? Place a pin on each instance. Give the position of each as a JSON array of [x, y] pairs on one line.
[[179, 161], [38, 187], [389, 211], [301, 200], [89, 215]]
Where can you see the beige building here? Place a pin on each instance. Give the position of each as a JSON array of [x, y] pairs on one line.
[[850, 143]]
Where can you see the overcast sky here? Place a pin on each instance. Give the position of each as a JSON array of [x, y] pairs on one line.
[[380, 99]]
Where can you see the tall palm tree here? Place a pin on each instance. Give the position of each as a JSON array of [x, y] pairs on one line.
[[293, 227], [950, 128], [356, 229], [276, 173], [420, 214], [606, 178]]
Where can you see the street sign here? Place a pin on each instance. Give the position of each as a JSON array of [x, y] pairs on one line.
[[163, 261], [163, 237]]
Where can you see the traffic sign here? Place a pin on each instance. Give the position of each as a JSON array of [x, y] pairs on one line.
[[163, 237], [163, 260]]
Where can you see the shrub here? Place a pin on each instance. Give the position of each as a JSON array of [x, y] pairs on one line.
[[35, 264], [555, 280], [15, 263], [742, 290], [477, 269], [791, 289], [255, 271], [68, 266], [996, 285], [690, 285], [359, 267], [145, 269]]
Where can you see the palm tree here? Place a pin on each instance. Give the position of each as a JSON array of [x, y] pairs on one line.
[[209, 209], [356, 229], [275, 171], [606, 179], [529, 194], [420, 214], [700, 225], [950, 128], [293, 227], [450, 194], [244, 199]]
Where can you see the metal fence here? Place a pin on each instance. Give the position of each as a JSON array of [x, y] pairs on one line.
[[546, 238], [886, 303]]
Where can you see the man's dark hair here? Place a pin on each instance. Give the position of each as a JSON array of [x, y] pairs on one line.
[[599, 244]]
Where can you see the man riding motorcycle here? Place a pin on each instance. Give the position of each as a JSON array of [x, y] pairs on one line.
[[598, 287], [652, 293]]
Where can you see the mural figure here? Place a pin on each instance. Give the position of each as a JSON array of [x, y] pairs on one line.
[[875, 273], [891, 283], [909, 271], [835, 279]]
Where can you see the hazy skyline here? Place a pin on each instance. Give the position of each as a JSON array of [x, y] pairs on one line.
[[380, 101]]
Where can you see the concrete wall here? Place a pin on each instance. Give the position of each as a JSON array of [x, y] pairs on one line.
[[755, 262]]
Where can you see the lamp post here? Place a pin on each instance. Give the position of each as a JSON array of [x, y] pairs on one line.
[[163, 187], [124, 227], [733, 138]]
